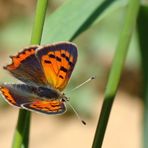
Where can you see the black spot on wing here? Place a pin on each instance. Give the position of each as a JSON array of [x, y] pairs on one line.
[[71, 64], [52, 56], [63, 55], [67, 59], [63, 69], [58, 59], [47, 61], [60, 76]]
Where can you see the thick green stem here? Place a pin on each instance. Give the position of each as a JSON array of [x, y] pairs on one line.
[[21, 136], [142, 26], [115, 73]]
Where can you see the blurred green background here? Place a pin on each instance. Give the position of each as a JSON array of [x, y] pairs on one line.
[[96, 48]]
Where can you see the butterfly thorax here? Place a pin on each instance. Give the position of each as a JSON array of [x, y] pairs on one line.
[[47, 93]]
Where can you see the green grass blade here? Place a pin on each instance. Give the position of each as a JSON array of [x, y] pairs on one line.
[[21, 136], [26, 136], [142, 26], [39, 21], [115, 73], [74, 17], [18, 137]]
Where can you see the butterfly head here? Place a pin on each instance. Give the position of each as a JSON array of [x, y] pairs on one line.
[[63, 97]]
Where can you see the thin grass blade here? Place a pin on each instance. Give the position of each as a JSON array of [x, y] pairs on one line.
[[116, 69]]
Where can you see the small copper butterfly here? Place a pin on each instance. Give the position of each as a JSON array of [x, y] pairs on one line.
[[45, 72]]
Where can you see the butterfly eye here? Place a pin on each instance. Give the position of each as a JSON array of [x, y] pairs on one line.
[[64, 98]]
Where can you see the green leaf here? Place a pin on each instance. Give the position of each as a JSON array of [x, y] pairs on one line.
[[142, 27], [72, 18]]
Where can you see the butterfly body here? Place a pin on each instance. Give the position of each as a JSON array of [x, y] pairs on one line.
[[47, 93], [45, 71]]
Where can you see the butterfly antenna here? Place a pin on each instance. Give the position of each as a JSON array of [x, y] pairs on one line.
[[83, 122], [85, 82]]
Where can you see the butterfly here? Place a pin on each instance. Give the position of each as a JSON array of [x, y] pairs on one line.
[[45, 71]]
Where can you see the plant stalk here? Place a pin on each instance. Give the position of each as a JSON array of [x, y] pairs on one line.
[[115, 73], [22, 131]]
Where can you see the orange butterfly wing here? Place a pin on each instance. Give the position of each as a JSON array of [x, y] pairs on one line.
[[57, 61], [26, 67], [20, 95], [45, 106]]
